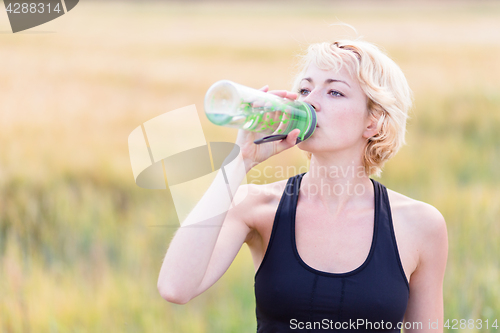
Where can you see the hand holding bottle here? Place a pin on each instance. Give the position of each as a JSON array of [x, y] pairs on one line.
[[254, 154], [269, 122]]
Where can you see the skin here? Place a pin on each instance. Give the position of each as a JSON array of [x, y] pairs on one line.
[[333, 230]]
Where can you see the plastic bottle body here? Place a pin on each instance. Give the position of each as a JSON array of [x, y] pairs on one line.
[[233, 105]]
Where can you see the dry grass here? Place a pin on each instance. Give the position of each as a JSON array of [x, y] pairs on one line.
[[79, 250]]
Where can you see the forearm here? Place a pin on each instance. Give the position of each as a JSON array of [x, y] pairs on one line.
[[191, 249]]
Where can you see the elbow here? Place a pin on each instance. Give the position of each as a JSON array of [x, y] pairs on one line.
[[172, 295]]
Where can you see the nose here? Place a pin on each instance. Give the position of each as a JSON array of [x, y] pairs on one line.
[[310, 99], [314, 104]]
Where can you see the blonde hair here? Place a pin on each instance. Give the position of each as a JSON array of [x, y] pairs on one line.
[[383, 82]]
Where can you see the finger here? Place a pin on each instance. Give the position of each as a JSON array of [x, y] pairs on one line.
[[284, 94], [280, 93], [264, 88], [291, 95], [289, 142]]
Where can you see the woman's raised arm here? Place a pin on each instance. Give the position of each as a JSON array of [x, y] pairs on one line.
[[203, 248]]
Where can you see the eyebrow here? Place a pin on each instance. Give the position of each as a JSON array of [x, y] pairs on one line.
[[327, 81]]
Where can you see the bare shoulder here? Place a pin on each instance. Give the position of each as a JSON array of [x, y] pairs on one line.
[[256, 197], [421, 217], [257, 205], [259, 194], [420, 232], [421, 236]]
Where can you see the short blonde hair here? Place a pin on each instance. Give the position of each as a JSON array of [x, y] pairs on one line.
[[383, 82]]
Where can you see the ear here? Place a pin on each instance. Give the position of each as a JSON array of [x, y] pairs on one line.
[[372, 126]]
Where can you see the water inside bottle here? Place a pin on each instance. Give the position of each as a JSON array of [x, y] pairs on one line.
[[264, 118]]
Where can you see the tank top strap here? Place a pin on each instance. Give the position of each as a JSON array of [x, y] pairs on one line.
[[386, 249], [280, 246]]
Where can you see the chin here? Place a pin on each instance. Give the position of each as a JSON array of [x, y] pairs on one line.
[[306, 148], [307, 145]]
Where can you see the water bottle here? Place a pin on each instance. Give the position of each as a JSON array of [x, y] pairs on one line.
[[233, 105]]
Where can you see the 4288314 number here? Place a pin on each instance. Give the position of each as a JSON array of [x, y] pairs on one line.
[[461, 324], [25, 8]]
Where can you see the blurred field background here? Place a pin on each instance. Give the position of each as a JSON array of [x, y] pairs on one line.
[[81, 245]]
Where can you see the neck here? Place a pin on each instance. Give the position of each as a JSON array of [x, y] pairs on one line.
[[337, 182]]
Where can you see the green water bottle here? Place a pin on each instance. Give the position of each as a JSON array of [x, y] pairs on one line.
[[233, 105]]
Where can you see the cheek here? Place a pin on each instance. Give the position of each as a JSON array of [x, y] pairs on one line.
[[347, 119]]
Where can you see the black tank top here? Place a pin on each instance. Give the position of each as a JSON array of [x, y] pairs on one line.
[[294, 297]]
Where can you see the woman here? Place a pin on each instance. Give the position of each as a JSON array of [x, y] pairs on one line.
[[332, 249]]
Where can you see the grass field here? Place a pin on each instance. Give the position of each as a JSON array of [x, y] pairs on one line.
[[81, 245]]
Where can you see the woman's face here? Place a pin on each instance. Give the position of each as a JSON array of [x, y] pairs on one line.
[[341, 109]]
